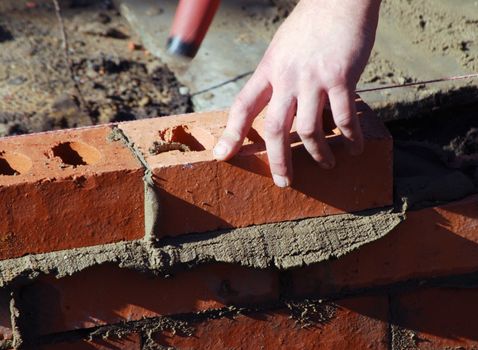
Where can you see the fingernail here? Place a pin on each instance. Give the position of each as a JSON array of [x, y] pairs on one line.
[[280, 181], [220, 150]]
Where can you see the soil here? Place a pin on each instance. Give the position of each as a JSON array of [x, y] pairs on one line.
[[117, 78], [437, 28], [441, 27]]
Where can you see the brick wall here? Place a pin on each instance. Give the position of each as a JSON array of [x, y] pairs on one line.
[[91, 214]]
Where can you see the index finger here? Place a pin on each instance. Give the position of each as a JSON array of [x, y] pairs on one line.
[[248, 104]]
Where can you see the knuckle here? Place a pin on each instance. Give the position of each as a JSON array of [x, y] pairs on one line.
[[273, 127], [344, 121], [306, 132], [336, 75], [240, 106], [278, 167]]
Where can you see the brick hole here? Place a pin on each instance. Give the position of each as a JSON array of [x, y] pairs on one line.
[[76, 153], [184, 139], [14, 164]]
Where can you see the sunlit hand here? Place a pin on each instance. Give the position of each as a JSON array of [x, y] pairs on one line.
[[319, 52]]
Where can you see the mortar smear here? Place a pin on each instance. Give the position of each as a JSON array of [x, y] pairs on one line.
[[282, 245]]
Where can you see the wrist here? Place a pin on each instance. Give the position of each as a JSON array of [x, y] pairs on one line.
[[368, 6]]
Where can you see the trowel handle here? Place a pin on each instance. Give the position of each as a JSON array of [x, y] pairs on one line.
[[190, 25]]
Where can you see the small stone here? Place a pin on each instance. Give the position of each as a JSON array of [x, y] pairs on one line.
[[144, 101], [183, 90], [17, 81], [4, 130], [31, 5], [103, 18], [132, 46], [154, 11], [208, 96]]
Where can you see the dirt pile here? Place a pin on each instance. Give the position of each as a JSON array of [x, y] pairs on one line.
[[118, 89], [117, 78]]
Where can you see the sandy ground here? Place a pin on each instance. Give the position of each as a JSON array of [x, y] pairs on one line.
[[420, 40], [416, 40], [116, 83]]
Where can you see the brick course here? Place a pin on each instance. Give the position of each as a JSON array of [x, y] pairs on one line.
[[76, 188]]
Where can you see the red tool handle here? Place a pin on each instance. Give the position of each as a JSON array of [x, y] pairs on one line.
[[190, 25]]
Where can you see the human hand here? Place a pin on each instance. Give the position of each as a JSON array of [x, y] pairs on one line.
[[319, 52]]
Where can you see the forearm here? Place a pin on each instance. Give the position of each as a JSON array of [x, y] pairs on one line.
[[364, 13]]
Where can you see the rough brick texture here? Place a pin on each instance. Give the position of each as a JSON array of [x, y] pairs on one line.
[[108, 295], [67, 189], [440, 318], [199, 194], [431, 242], [359, 323], [129, 342], [5, 317]]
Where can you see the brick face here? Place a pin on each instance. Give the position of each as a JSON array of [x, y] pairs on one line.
[[200, 194], [350, 327], [432, 242], [440, 318], [5, 321], [66, 190], [129, 342], [108, 295]]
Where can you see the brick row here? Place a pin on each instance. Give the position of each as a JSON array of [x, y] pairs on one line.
[[77, 188]]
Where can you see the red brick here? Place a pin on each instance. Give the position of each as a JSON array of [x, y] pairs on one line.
[[130, 342], [52, 206], [432, 242], [5, 318], [442, 318], [199, 194], [359, 323], [108, 295]]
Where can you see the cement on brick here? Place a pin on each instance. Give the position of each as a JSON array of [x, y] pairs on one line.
[[15, 315], [151, 206], [281, 245], [403, 338], [288, 244], [151, 198]]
